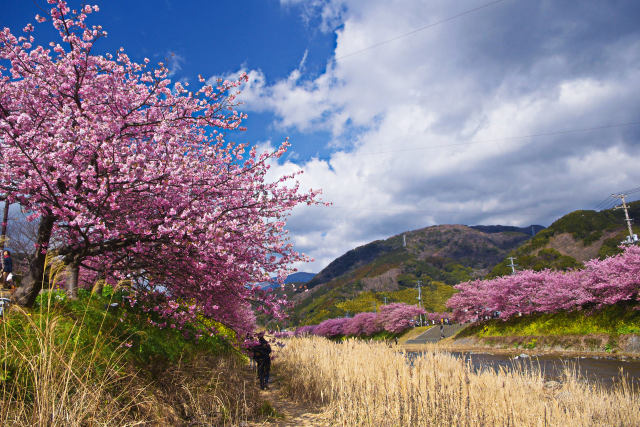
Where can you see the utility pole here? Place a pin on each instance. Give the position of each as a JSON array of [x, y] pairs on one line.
[[632, 237], [420, 298], [512, 265]]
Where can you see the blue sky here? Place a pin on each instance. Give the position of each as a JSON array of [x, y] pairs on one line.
[[409, 113]]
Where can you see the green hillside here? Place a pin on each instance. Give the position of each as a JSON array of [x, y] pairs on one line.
[[571, 240], [439, 257]]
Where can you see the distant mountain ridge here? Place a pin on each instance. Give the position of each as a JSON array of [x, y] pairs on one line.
[[532, 229], [298, 277], [442, 255], [455, 242]]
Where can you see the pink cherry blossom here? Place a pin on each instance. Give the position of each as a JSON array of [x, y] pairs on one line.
[[132, 180]]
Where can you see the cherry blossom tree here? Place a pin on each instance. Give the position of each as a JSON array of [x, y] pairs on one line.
[[132, 175], [394, 318], [398, 317], [331, 327], [363, 324], [600, 283]]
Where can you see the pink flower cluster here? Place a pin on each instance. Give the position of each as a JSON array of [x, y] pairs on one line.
[[600, 283], [131, 178], [393, 318]]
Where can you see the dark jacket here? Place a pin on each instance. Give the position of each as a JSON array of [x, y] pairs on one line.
[[262, 352], [7, 264]]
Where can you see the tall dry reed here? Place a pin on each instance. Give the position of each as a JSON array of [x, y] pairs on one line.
[[46, 379], [370, 384]]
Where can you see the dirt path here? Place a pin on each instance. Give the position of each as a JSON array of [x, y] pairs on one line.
[[288, 411]]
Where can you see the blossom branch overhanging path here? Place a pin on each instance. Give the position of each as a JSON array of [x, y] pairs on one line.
[[128, 173]]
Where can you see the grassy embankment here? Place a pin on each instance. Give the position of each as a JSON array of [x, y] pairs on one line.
[[79, 363], [599, 330], [369, 384]]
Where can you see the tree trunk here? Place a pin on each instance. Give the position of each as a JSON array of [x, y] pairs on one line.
[[73, 271], [33, 282]]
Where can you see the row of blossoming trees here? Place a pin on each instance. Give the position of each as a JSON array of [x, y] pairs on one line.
[[130, 178], [393, 318], [600, 283]]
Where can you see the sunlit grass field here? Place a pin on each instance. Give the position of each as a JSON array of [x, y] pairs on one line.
[[370, 384]]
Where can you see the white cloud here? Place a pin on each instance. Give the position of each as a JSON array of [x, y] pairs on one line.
[[431, 128]]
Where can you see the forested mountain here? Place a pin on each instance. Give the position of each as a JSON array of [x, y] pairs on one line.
[[438, 257], [571, 240]]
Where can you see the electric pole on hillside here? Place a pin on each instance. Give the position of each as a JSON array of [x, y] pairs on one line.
[[631, 238], [512, 265], [419, 285]]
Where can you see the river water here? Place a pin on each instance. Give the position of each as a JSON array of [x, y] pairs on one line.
[[606, 371]]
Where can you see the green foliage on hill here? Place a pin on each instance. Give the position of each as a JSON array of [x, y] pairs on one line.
[[328, 301], [434, 268], [434, 296], [615, 320], [438, 256], [586, 227], [547, 258]]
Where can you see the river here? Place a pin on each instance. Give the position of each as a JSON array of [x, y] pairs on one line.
[[604, 370]]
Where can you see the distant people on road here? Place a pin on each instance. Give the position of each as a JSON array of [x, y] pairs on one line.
[[262, 356], [7, 268]]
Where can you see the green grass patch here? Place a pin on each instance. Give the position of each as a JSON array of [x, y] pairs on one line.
[[614, 320], [102, 335]]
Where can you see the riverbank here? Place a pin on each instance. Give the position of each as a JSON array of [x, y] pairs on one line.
[[610, 332], [558, 345], [371, 384]]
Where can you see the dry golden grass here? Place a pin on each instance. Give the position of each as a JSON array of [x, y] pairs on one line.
[[369, 384], [51, 385], [47, 378]]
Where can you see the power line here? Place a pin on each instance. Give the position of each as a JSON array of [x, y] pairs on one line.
[[603, 203], [612, 200], [510, 138], [417, 30], [631, 191], [401, 210]]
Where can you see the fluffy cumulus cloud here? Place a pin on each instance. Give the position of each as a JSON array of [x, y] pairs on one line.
[[514, 113]]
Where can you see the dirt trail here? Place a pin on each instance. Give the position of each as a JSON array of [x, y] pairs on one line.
[[290, 412]]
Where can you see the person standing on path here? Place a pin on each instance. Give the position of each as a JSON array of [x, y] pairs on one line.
[[7, 266], [262, 356]]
